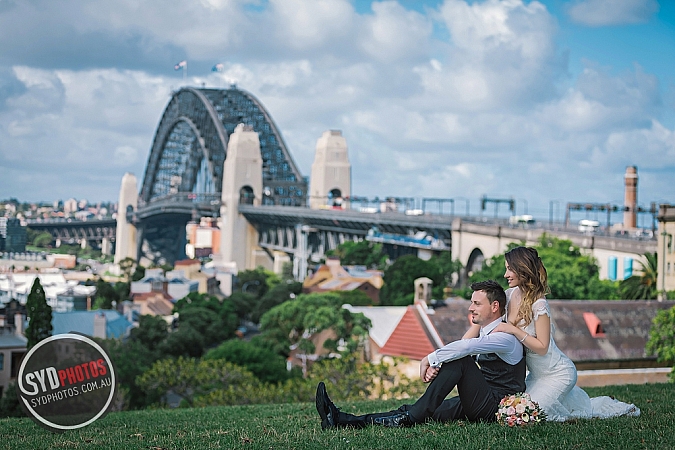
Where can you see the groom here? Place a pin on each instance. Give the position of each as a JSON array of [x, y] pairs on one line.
[[498, 370]]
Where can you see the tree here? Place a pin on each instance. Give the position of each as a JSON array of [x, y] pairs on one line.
[[243, 304], [571, 274], [151, 331], [43, 240], [361, 253], [190, 378], [355, 298], [249, 306], [256, 282], [127, 266], [267, 366], [277, 295], [186, 341], [105, 295], [123, 289], [450, 269], [662, 337], [399, 279], [131, 359], [203, 321], [350, 378], [9, 403], [138, 274], [39, 315], [295, 321], [641, 286]]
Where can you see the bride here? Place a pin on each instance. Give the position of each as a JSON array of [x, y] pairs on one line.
[[552, 376]]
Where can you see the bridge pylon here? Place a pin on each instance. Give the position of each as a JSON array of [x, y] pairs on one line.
[[126, 245], [242, 184], [330, 183]]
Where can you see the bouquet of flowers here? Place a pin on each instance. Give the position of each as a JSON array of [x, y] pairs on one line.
[[519, 410]]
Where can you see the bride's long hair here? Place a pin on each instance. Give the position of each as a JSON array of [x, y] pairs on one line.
[[527, 264]]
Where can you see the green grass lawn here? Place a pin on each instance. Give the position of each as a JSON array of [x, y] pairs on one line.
[[297, 426]]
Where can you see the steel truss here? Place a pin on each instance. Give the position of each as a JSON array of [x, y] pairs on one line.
[[190, 147]]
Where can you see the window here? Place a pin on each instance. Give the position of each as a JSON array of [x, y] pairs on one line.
[[2, 361]]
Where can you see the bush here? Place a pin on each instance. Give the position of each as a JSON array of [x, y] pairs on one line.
[[662, 338], [266, 365], [9, 403]]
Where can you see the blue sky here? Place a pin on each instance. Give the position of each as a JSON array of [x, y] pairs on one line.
[[543, 101]]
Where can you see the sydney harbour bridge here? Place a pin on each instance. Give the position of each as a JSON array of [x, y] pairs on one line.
[[184, 175], [184, 179]]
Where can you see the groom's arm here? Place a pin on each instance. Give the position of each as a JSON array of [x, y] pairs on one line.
[[504, 344]]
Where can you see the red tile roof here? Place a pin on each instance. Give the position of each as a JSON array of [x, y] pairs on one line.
[[410, 338]]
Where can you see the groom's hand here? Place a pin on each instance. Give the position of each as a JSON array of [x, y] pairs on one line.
[[424, 365], [427, 373], [431, 374]]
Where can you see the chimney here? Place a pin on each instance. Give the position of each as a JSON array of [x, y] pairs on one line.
[[18, 324], [100, 325], [423, 287], [630, 198]]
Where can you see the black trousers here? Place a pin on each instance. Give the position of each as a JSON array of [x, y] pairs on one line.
[[476, 400]]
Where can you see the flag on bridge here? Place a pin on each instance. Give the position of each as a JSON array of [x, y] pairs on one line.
[[180, 64], [218, 68]]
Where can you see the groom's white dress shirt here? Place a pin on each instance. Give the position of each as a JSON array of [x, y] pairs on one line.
[[504, 345]]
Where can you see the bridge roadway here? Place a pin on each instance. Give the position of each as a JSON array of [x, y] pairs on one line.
[[70, 230], [450, 229], [305, 232]]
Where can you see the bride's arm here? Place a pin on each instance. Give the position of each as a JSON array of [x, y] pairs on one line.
[[538, 343], [472, 332]]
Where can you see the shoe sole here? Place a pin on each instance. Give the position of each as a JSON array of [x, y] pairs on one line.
[[320, 406]]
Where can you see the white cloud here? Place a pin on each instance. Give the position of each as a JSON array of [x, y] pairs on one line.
[[491, 110], [503, 52], [393, 33], [612, 12], [125, 156], [68, 120], [302, 24]]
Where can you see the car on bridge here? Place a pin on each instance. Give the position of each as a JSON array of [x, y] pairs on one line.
[[588, 226], [523, 220]]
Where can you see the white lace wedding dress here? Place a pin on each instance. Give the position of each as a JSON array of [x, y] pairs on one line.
[[551, 381]]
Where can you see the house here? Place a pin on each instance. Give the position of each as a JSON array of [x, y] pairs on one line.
[[102, 323], [61, 294], [332, 277], [192, 270], [157, 293], [174, 284], [605, 338], [598, 335], [384, 320], [13, 344]]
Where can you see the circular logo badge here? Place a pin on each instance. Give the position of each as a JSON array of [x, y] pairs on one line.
[[66, 382]]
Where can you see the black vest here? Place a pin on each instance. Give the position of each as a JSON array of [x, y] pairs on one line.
[[503, 378]]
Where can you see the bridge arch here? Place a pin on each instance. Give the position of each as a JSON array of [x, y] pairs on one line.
[[475, 261], [184, 175], [190, 147]]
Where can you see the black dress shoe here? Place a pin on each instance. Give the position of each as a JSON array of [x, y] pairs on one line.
[[325, 407], [394, 419]]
